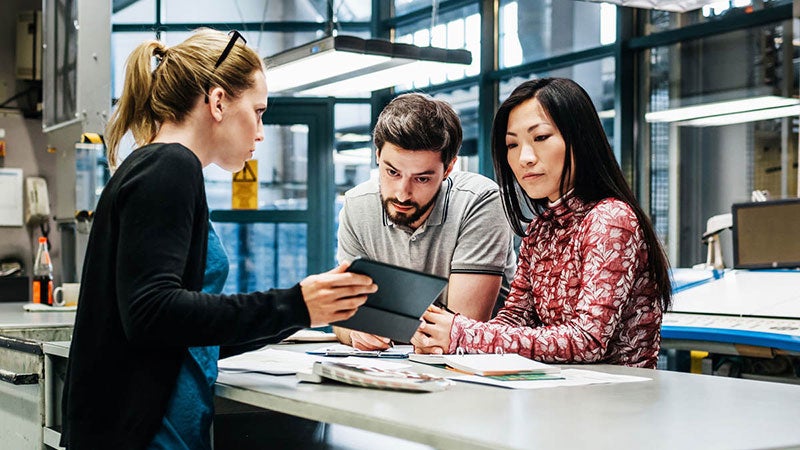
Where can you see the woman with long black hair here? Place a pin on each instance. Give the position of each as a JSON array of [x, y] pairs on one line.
[[592, 278]]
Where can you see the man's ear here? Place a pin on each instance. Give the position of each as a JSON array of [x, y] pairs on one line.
[[216, 98], [449, 167], [377, 154]]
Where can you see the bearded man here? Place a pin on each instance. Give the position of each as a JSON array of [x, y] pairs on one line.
[[421, 214]]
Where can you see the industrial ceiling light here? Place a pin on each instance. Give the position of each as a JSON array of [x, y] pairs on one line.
[[664, 5], [719, 109], [340, 65], [743, 117]]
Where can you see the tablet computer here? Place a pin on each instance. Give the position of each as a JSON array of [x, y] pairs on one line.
[[395, 309]]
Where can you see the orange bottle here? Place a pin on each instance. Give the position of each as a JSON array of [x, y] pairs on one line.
[[43, 275]]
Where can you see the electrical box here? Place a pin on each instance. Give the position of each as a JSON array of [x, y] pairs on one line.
[[29, 45]]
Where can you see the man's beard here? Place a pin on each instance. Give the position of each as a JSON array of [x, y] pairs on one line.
[[406, 219]]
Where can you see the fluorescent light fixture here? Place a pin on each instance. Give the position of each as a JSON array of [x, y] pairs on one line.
[[355, 156], [341, 65], [353, 137], [378, 79], [687, 113], [607, 114], [743, 117], [664, 5]]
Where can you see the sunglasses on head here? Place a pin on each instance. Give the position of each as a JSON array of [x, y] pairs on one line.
[[235, 36]]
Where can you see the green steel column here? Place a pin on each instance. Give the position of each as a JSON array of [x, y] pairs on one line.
[[625, 98], [488, 88]]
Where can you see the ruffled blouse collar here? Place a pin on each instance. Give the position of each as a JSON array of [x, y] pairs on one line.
[[564, 210]]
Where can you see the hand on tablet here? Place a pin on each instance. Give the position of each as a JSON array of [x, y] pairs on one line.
[[366, 341], [392, 311], [335, 295], [433, 334]]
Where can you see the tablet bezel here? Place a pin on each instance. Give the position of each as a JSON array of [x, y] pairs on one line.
[[392, 299]]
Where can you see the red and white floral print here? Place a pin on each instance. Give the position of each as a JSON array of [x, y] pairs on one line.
[[581, 292]]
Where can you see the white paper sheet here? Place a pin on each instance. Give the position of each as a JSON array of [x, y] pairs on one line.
[[572, 377], [11, 198], [398, 351], [269, 361], [789, 327], [283, 362], [307, 335], [38, 307]]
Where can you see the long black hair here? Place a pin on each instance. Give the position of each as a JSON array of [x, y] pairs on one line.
[[597, 174]]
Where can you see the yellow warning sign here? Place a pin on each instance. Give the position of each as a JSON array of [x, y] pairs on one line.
[[92, 138], [245, 186]]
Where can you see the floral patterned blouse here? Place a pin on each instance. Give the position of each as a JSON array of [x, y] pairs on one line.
[[581, 292]]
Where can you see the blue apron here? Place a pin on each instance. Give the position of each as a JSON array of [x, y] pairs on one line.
[[187, 422]]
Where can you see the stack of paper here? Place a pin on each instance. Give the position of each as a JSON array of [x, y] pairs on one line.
[[381, 378]]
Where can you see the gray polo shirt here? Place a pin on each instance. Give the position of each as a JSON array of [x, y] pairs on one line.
[[466, 231]]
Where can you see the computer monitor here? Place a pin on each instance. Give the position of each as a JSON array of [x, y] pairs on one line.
[[766, 234]]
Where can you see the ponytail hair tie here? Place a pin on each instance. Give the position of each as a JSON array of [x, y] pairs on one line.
[[160, 54]]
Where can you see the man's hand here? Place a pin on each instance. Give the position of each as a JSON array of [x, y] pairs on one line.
[[335, 295], [361, 341], [366, 341]]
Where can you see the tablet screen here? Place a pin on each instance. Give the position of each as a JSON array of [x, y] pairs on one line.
[[395, 309]]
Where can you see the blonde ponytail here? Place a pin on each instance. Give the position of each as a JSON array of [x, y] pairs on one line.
[[184, 73], [134, 111]]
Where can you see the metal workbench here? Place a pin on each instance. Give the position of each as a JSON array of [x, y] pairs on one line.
[[22, 371]]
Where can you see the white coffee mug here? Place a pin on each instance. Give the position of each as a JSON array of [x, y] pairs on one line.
[[66, 294]]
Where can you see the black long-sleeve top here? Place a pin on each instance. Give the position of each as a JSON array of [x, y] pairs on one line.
[[140, 305]]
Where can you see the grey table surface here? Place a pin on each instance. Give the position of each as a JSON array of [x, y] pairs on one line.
[[672, 410], [12, 315]]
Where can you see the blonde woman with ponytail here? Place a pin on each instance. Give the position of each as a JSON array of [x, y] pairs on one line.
[[151, 321]]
